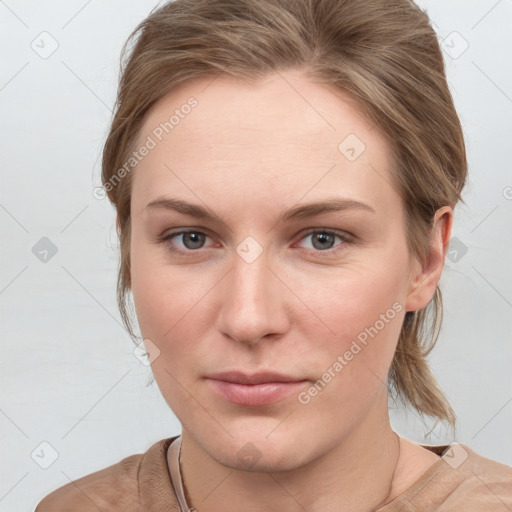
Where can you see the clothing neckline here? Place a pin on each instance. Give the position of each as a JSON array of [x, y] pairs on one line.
[[175, 473], [172, 463]]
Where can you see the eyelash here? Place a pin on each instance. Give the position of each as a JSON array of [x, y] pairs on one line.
[[345, 238]]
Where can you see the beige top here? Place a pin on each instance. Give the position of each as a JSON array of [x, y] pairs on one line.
[[460, 481]]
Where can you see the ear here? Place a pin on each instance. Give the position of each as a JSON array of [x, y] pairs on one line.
[[426, 275]]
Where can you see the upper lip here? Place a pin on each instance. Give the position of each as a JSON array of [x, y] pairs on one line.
[[254, 378]]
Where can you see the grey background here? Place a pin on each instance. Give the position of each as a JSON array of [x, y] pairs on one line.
[[68, 373]]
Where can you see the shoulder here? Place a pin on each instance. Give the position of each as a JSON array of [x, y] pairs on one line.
[[463, 477], [102, 490], [488, 483], [114, 488]]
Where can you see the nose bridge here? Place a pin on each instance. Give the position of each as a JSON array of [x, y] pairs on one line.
[[251, 306], [250, 286]]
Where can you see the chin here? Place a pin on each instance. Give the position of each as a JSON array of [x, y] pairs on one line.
[[263, 449], [256, 458]]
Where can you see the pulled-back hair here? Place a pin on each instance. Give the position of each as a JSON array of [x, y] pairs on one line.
[[383, 54]]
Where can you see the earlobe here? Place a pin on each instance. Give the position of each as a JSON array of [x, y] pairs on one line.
[[426, 275]]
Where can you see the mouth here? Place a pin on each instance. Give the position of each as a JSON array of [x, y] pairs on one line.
[[254, 389]]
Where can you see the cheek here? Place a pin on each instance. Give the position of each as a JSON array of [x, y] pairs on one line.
[[364, 310], [168, 311], [171, 305], [154, 300], [359, 299], [162, 293], [167, 306]]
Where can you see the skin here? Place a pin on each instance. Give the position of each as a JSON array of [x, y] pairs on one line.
[[250, 152]]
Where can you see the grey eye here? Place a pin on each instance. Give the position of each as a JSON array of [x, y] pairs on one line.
[[193, 239]]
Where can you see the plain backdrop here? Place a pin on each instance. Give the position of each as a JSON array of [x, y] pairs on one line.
[[74, 397]]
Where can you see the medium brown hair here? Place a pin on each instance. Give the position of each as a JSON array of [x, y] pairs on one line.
[[383, 54]]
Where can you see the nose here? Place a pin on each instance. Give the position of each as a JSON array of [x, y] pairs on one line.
[[253, 304]]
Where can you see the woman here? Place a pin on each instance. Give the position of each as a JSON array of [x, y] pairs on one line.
[[284, 175]]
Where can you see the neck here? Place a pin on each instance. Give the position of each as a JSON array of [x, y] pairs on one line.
[[355, 474]]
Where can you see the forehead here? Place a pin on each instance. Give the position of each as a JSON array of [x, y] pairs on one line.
[[282, 136]]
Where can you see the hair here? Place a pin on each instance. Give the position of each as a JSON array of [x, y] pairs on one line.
[[382, 54]]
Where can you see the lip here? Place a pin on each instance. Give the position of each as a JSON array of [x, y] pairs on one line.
[[257, 389], [239, 377]]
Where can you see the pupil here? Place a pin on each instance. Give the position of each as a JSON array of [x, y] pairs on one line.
[[195, 243], [324, 237]]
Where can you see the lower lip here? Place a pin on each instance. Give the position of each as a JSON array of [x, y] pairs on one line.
[[255, 394]]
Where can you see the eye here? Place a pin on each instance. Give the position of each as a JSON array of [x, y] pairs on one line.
[[192, 240], [323, 240]]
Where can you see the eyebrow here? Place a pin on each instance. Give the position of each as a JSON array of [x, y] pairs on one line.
[[304, 211]]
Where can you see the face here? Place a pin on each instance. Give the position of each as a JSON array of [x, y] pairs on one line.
[[267, 284]]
